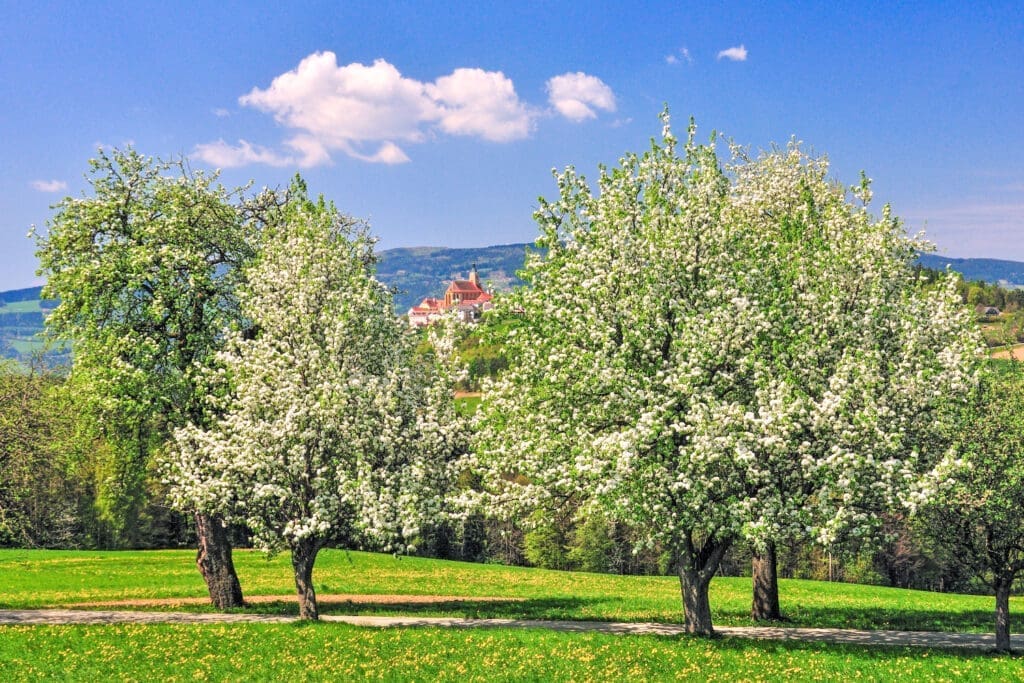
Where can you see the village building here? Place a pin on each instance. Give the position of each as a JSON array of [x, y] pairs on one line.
[[466, 297]]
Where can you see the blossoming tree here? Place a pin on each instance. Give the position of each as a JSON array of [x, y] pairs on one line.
[[333, 429], [145, 269], [719, 352]]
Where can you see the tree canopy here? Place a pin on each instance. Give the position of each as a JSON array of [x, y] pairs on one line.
[[146, 269], [971, 504], [331, 428], [720, 351]]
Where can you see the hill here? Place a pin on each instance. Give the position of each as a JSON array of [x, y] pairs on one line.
[[995, 271], [21, 320]]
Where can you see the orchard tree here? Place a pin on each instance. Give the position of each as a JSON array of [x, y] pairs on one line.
[[715, 353], [145, 270], [333, 430], [971, 504], [857, 366]]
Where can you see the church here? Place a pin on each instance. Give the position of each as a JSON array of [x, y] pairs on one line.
[[467, 297]]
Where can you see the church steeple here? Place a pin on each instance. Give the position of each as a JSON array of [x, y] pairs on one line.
[[474, 277]]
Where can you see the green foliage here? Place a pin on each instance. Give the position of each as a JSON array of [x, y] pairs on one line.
[[53, 466], [38, 493], [467, 406], [977, 512], [145, 270], [545, 543], [482, 360]]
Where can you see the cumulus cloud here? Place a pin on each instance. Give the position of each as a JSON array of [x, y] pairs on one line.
[[481, 103], [369, 111], [575, 95], [49, 185], [735, 54]]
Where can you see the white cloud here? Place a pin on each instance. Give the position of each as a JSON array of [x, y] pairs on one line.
[[352, 103], [223, 155], [221, 113], [735, 54], [575, 95], [481, 103], [387, 153], [49, 185], [367, 111], [346, 108], [311, 151], [682, 56]]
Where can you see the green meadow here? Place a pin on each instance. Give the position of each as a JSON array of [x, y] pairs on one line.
[[37, 578], [132, 652]]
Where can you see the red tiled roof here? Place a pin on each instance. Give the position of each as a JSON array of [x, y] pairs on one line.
[[464, 286]]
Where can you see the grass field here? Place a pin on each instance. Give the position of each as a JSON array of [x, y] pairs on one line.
[[30, 578], [340, 652], [30, 306], [36, 578]]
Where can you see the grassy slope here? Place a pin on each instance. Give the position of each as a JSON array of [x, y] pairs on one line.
[[33, 578], [336, 651]]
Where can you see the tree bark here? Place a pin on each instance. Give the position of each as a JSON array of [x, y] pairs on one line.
[[1003, 585], [697, 565], [765, 573], [696, 603], [215, 564], [303, 556]]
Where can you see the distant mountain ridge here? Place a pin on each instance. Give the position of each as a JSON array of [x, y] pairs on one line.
[[418, 272], [995, 271]]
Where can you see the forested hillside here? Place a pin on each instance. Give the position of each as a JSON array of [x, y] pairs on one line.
[[994, 271]]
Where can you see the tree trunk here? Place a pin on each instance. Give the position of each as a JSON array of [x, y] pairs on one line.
[[696, 603], [697, 565], [303, 556], [766, 585], [214, 561], [1003, 614]]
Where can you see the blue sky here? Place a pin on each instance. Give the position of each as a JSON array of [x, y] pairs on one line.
[[440, 123]]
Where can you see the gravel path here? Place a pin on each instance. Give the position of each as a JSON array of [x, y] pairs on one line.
[[973, 641]]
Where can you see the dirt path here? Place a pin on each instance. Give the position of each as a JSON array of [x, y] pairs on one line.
[[324, 600], [1015, 352], [973, 641]]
